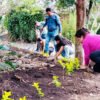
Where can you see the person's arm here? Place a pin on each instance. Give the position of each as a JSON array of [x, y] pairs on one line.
[[59, 24], [60, 51], [45, 24], [86, 53]]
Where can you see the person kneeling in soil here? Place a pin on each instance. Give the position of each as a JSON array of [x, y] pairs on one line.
[[64, 47], [40, 36], [91, 46]]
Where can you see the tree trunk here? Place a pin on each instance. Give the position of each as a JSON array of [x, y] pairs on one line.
[[81, 13]]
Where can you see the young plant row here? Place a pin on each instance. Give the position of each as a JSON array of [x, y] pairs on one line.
[[69, 64], [7, 95]]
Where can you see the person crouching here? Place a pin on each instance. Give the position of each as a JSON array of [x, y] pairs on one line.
[[64, 47], [40, 36]]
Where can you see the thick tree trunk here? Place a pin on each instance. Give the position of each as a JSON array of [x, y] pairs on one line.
[[81, 13]]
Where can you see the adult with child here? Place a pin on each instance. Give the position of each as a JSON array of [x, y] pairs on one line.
[[91, 46], [54, 27]]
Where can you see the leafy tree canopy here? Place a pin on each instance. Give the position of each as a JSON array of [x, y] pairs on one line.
[[65, 3]]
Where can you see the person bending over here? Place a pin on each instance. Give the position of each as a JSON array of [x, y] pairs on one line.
[[64, 47], [91, 46]]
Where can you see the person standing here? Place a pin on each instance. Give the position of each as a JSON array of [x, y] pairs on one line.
[[54, 27]]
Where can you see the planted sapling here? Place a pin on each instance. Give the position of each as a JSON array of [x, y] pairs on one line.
[[24, 98], [56, 81], [39, 90], [6, 95]]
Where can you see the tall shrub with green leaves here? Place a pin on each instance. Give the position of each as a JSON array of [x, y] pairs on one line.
[[69, 28], [65, 3], [20, 25]]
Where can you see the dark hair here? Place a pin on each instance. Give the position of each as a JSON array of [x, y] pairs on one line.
[[85, 29], [57, 38], [48, 9], [81, 32], [63, 40]]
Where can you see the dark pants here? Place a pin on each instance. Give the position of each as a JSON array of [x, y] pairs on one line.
[[95, 57]]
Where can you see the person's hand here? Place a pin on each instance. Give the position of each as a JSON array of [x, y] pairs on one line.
[[60, 34], [83, 67]]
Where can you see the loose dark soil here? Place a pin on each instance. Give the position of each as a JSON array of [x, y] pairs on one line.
[[73, 86]]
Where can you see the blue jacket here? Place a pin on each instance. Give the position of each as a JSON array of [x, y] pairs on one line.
[[53, 23]]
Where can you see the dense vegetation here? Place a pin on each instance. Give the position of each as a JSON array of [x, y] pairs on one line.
[[20, 25]]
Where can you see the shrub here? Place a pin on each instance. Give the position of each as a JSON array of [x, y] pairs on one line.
[[20, 25], [69, 28]]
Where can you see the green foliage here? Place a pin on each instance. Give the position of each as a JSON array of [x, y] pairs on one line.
[[56, 81], [6, 96], [24, 98], [69, 64], [65, 3], [39, 90], [98, 31], [93, 22], [0, 18], [12, 65], [20, 25], [69, 28], [12, 53]]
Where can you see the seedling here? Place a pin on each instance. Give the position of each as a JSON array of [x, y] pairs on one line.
[[69, 68], [6, 96], [24, 98], [56, 81], [39, 90], [12, 65], [12, 53], [45, 54], [69, 64]]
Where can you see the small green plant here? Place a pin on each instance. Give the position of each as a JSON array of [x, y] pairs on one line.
[[56, 81], [68, 26], [6, 95], [21, 25], [12, 65], [69, 64], [12, 53], [39, 90], [24, 98]]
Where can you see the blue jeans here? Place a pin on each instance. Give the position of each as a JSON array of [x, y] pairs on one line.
[[68, 51], [95, 57], [50, 36]]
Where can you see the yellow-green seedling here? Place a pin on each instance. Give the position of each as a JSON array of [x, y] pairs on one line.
[[76, 64], [23, 98], [69, 68], [69, 64], [61, 63], [39, 90], [6, 95], [56, 81]]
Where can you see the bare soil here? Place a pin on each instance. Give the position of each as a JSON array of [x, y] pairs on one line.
[[80, 85]]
